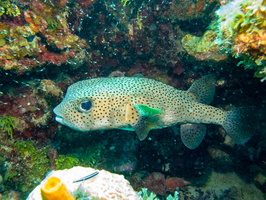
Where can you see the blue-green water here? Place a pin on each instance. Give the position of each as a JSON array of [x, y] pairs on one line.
[[45, 46]]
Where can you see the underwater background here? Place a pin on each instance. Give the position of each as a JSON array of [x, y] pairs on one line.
[[47, 45]]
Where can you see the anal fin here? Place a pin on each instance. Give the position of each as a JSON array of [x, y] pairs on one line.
[[192, 134]]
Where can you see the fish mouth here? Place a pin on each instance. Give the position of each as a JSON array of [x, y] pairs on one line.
[[59, 119], [57, 113]]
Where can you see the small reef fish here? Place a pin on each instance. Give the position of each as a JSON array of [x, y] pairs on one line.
[[87, 177], [141, 104]]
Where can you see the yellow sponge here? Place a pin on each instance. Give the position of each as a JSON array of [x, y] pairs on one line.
[[54, 189]]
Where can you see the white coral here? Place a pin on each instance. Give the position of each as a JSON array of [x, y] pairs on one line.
[[104, 186]]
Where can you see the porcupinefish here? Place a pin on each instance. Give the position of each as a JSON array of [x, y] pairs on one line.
[[141, 104]]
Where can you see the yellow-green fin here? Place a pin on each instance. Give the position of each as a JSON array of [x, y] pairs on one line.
[[146, 120], [146, 111]]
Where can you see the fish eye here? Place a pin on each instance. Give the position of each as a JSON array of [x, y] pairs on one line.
[[85, 106]]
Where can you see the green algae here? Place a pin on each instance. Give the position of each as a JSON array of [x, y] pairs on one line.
[[2, 42], [36, 159], [66, 162], [125, 2], [91, 159], [89, 152], [9, 8], [4, 30], [7, 125], [53, 24], [28, 168], [80, 195], [30, 164], [87, 157]]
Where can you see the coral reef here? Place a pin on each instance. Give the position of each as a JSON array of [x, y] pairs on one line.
[[49, 88], [239, 30], [203, 48], [157, 183], [29, 111], [241, 23], [10, 195], [23, 164], [188, 9], [220, 186], [42, 36]]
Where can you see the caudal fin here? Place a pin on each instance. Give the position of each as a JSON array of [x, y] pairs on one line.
[[240, 124]]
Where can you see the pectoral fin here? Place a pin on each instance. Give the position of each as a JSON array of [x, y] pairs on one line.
[[146, 120], [142, 128], [146, 111], [192, 134]]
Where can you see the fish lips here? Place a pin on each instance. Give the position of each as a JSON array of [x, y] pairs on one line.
[[58, 118]]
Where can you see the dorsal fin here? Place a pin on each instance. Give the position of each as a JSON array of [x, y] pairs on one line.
[[202, 90]]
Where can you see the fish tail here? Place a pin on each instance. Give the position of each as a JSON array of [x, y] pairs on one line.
[[240, 124]]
